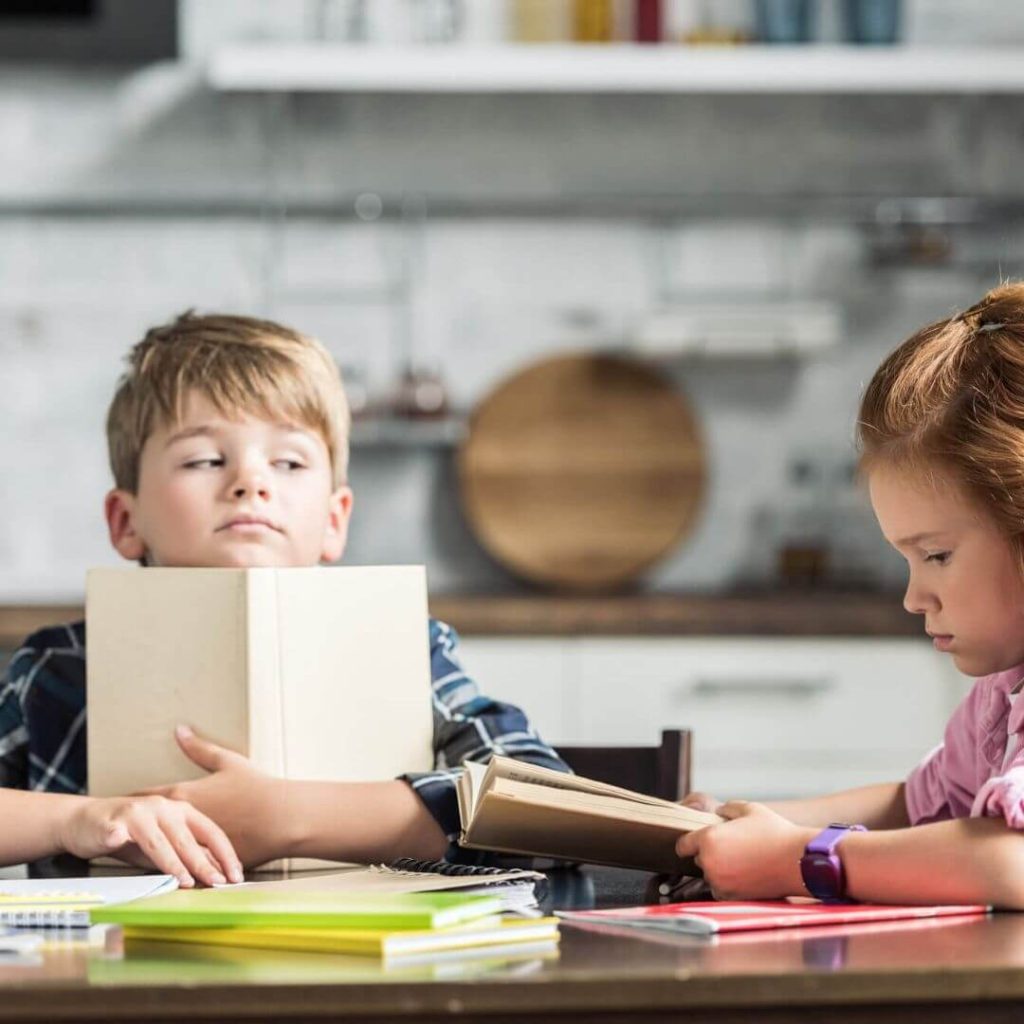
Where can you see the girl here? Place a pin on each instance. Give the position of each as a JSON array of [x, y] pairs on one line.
[[941, 434]]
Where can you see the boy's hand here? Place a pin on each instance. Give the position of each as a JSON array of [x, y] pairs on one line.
[[753, 855], [249, 805], [169, 835]]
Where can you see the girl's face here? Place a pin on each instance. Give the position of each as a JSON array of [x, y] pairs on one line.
[[964, 575]]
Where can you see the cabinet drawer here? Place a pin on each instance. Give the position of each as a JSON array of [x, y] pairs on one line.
[[889, 698]]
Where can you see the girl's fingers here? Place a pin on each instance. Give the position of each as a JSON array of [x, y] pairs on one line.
[[215, 839]]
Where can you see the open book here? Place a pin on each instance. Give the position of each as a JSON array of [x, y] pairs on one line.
[[314, 673], [516, 807]]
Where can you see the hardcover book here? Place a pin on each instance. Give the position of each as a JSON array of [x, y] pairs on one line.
[[313, 673], [516, 807]]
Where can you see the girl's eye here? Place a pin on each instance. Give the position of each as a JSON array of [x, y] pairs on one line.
[[939, 557], [201, 463], [289, 464]]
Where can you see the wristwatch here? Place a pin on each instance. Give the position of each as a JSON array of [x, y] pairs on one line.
[[820, 866]]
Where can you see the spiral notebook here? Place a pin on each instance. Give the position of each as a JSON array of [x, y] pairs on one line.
[[517, 888], [66, 902]]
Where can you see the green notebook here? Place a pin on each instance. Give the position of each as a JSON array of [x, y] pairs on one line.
[[246, 906]]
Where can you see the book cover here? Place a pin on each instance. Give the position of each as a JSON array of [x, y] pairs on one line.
[[247, 907], [488, 931], [712, 918], [521, 808], [273, 663]]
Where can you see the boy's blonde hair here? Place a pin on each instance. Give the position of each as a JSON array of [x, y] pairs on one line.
[[242, 365], [951, 398]]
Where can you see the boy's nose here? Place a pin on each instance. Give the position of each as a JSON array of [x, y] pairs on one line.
[[241, 490]]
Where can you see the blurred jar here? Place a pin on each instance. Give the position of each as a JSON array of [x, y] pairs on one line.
[[540, 21], [421, 393], [592, 21], [802, 542], [784, 21], [872, 21]]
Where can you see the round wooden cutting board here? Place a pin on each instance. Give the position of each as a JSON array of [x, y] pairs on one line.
[[582, 470]]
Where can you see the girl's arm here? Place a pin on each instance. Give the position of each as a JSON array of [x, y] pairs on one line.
[[880, 806], [170, 835], [756, 854]]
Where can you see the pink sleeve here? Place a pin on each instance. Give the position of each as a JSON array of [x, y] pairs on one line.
[[942, 786], [1002, 796]]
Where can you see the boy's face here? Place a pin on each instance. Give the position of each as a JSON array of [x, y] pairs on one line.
[[964, 576], [231, 493]]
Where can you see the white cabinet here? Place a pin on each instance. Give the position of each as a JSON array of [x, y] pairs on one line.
[[771, 717]]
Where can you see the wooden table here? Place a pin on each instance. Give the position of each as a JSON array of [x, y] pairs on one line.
[[959, 970]]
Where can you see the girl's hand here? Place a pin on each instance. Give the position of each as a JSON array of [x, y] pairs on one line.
[[755, 854], [250, 805], [151, 831]]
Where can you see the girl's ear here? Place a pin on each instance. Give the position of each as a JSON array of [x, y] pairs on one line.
[[119, 510], [336, 531]]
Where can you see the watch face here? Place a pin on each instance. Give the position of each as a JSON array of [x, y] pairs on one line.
[[822, 875]]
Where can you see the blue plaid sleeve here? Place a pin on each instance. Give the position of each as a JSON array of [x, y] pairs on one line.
[[42, 713], [13, 731], [468, 727]]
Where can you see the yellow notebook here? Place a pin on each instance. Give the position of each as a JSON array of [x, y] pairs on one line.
[[491, 931]]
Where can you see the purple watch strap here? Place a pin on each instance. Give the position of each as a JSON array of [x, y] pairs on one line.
[[827, 840]]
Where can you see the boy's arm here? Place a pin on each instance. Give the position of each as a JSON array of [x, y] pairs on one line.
[[756, 854], [173, 837], [268, 817]]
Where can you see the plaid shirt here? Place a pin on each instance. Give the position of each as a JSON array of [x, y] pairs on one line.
[[42, 723]]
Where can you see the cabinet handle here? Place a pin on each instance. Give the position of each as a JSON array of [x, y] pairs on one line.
[[757, 686]]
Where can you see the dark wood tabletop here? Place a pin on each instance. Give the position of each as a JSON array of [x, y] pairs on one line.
[[966, 969]]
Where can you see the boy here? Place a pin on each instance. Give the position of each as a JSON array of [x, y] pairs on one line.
[[228, 440]]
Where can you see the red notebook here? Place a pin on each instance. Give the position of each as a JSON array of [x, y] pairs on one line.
[[713, 917]]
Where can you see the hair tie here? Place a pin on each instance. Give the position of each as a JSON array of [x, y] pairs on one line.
[[985, 328]]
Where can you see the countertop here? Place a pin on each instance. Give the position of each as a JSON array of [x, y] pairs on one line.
[[783, 613]]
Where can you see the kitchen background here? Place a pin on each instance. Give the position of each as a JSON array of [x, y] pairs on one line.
[[764, 245]]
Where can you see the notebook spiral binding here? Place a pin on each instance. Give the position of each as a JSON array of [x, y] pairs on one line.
[[54, 918], [443, 867]]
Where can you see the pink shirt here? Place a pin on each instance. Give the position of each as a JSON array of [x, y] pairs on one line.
[[978, 769]]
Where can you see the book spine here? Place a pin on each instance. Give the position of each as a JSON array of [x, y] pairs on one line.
[[261, 651]]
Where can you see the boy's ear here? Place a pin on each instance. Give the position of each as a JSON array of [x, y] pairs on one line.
[[336, 532], [119, 509]]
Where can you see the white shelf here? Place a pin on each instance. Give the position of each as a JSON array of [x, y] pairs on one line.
[[326, 67]]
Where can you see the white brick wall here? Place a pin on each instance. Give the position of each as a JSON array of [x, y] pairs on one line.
[[488, 293]]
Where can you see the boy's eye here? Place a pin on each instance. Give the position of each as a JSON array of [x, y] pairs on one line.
[[201, 463], [938, 557], [289, 464]]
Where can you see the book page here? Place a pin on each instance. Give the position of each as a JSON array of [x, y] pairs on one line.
[[684, 819], [535, 775]]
